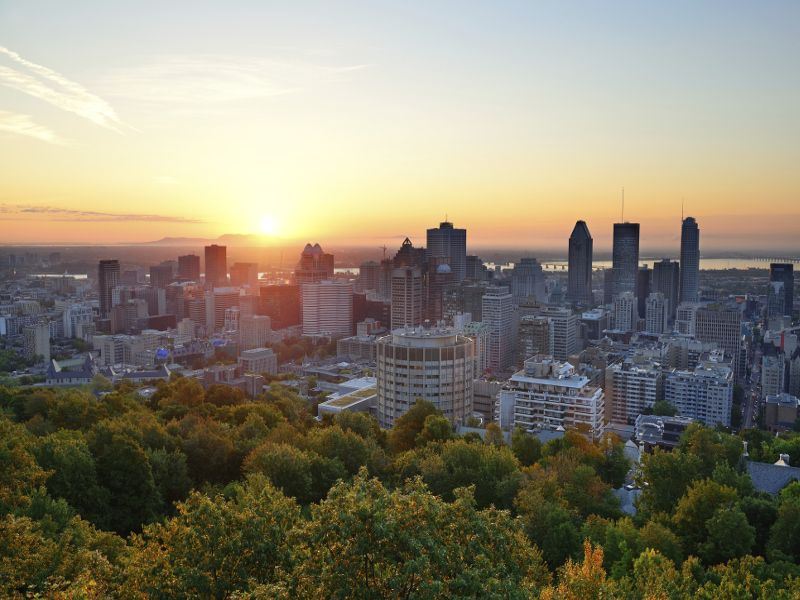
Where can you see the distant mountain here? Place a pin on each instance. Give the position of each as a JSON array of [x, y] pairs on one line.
[[228, 239]]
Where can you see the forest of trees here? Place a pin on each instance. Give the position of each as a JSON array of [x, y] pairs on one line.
[[206, 494]]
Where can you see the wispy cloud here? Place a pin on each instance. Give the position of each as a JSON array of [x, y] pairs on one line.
[[210, 79], [20, 212], [50, 86], [25, 125]]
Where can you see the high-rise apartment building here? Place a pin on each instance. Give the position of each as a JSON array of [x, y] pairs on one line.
[[624, 312], [107, 280], [216, 266], [254, 331], [450, 243], [579, 276], [704, 394], [189, 267], [563, 331], [784, 272], [533, 337], [437, 365], [328, 308], [631, 388], [548, 394], [217, 301], [497, 312], [406, 297], [625, 257], [666, 280], [656, 313], [690, 261], [369, 275], [281, 303], [36, 341]]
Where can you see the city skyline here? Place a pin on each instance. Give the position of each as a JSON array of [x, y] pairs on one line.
[[201, 123]]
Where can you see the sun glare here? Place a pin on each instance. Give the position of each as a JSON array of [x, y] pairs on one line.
[[269, 226]]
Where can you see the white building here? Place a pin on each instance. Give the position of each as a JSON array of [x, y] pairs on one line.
[[36, 341], [497, 313], [548, 394], [76, 317], [479, 332], [437, 365], [656, 313], [406, 294], [622, 310], [773, 372], [563, 331], [631, 387], [254, 331], [328, 308], [258, 360], [686, 317], [705, 394]]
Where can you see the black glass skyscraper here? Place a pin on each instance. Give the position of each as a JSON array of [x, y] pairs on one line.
[[579, 277], [690, 260], [784, 272], [625, 257]]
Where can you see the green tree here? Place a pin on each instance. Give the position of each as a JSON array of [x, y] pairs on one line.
[[548, 524], [365, 541], [403, 435], [436, 428], [665, 477], [527, 448], [729, 536], [784, 537], [664, 408], [214, 546], [698, 505]]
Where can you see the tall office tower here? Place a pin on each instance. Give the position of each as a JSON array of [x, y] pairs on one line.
[[624, 312], [579, 277], [328, 308], [666, 280], [384, 288], [608, 286], [776, 302], [549, 394], [533, 337], [631, 388], [161, 276], [281, 303], [476, 270], [217, 301], [369, 274], [686, 318], [440, 277], [643, 282], [254, 331], [784, 272], [448, 242], [704, 394], [723, 326], [437, 365], [245, 273], [527, 281], [656, 313], [625, 257], [216, 266], [129, 277], [107, 280], [464, 297], [690, 260], [189, 267], [563, 331], [314, 266], [36, 341], [497, 312], [406, 297]]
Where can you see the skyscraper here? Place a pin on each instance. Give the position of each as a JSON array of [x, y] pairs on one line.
[[666, 280], [328, 308], [643, 281], [690, 260], [497, 309], [216, 266], [314, 266], [625, 257], [527, 281], [161, 275], [579, 277], [784, 272], [656, 313], [189, 267], [107, 280], [448, 242], [406, 297], [245, 273]]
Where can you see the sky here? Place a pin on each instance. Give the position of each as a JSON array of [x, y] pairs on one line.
[[363, 122]]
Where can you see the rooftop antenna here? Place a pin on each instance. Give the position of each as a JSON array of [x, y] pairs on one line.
[[384, 251]]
